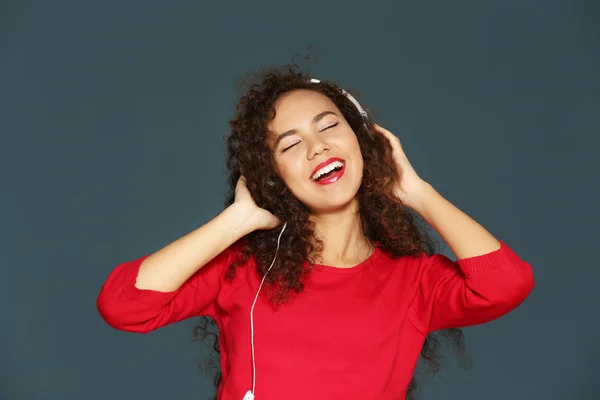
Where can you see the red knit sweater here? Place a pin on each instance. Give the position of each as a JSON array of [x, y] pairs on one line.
[[353, 333]]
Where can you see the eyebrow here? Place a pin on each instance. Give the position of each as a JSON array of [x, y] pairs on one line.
[[316, 119]]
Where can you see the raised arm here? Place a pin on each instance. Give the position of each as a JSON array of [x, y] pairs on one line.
[[182, 279], [487, 281]]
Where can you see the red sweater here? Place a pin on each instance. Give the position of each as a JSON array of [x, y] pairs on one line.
[[353, 333]]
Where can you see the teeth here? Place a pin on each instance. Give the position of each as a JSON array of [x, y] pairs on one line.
[[326, 169]]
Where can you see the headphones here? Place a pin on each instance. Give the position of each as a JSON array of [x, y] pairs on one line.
[[361, 110], [250, 393]]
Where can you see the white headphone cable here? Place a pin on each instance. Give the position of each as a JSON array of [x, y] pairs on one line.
[[250, 393]]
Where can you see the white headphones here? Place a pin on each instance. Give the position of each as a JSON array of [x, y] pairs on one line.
[[351, 98], [250, 393]]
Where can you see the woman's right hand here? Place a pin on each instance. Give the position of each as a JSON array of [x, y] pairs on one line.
[[257, 218]]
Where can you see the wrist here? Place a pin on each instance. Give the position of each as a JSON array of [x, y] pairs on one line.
[[421, 199], [239, 219]]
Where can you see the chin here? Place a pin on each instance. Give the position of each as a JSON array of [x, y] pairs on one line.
[[331, 203]]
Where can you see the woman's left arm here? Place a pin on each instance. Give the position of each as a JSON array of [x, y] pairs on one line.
[[465, 237], [487, 280]]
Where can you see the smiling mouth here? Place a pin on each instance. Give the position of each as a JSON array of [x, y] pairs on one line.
[[326, 167], [330, 173]]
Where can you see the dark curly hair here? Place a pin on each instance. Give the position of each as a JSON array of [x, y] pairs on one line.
[[384, 218]]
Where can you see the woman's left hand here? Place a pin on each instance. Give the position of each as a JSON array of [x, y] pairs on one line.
[[411, 187]]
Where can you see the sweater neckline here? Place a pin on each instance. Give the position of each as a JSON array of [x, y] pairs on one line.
[[348, 270]]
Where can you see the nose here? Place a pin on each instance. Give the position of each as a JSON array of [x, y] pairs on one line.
[[316, 147]]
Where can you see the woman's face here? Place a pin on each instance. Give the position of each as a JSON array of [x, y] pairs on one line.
[[309, 136]]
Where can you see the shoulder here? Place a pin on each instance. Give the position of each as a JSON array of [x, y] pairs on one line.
[[236, 257], [218, 266], [413, 267]]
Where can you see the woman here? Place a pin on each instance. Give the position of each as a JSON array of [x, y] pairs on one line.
[[321, 282]]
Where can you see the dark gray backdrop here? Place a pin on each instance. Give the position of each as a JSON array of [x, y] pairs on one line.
[[111, 121]]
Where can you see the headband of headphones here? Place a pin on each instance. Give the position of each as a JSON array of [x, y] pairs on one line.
[[351, 98]]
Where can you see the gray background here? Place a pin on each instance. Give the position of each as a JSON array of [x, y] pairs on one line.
[[112, 116]]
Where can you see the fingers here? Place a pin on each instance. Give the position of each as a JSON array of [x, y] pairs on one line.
[[389, 135], [276, 221], [384, 132], [392, 139]]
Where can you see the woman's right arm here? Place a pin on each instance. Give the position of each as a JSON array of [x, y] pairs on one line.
[[167, 269], [181, 280], [177, 282]]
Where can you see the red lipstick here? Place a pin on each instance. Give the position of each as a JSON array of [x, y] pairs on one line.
[[326, 163], [333, 178]]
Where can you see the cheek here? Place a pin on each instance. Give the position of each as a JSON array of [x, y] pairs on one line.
[[353, 147], [354, 150], [290, 171], [284, 174]]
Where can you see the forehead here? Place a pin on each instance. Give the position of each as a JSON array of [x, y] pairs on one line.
[[298, 107]]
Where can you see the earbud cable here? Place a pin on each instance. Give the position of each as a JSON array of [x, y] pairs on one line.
[[252, 311]]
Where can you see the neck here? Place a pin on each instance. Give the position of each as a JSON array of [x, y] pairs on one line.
[[344, 243]]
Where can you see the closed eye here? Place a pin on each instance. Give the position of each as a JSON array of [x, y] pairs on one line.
[[330, 126], [322, 130], [289, 147]]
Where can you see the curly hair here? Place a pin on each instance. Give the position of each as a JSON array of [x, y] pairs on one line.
[[383, 217]]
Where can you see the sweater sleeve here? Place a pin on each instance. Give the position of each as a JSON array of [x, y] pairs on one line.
[[125, 307], [471, 291]]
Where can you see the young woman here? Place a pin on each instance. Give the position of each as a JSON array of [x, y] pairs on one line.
[[317, 274]]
